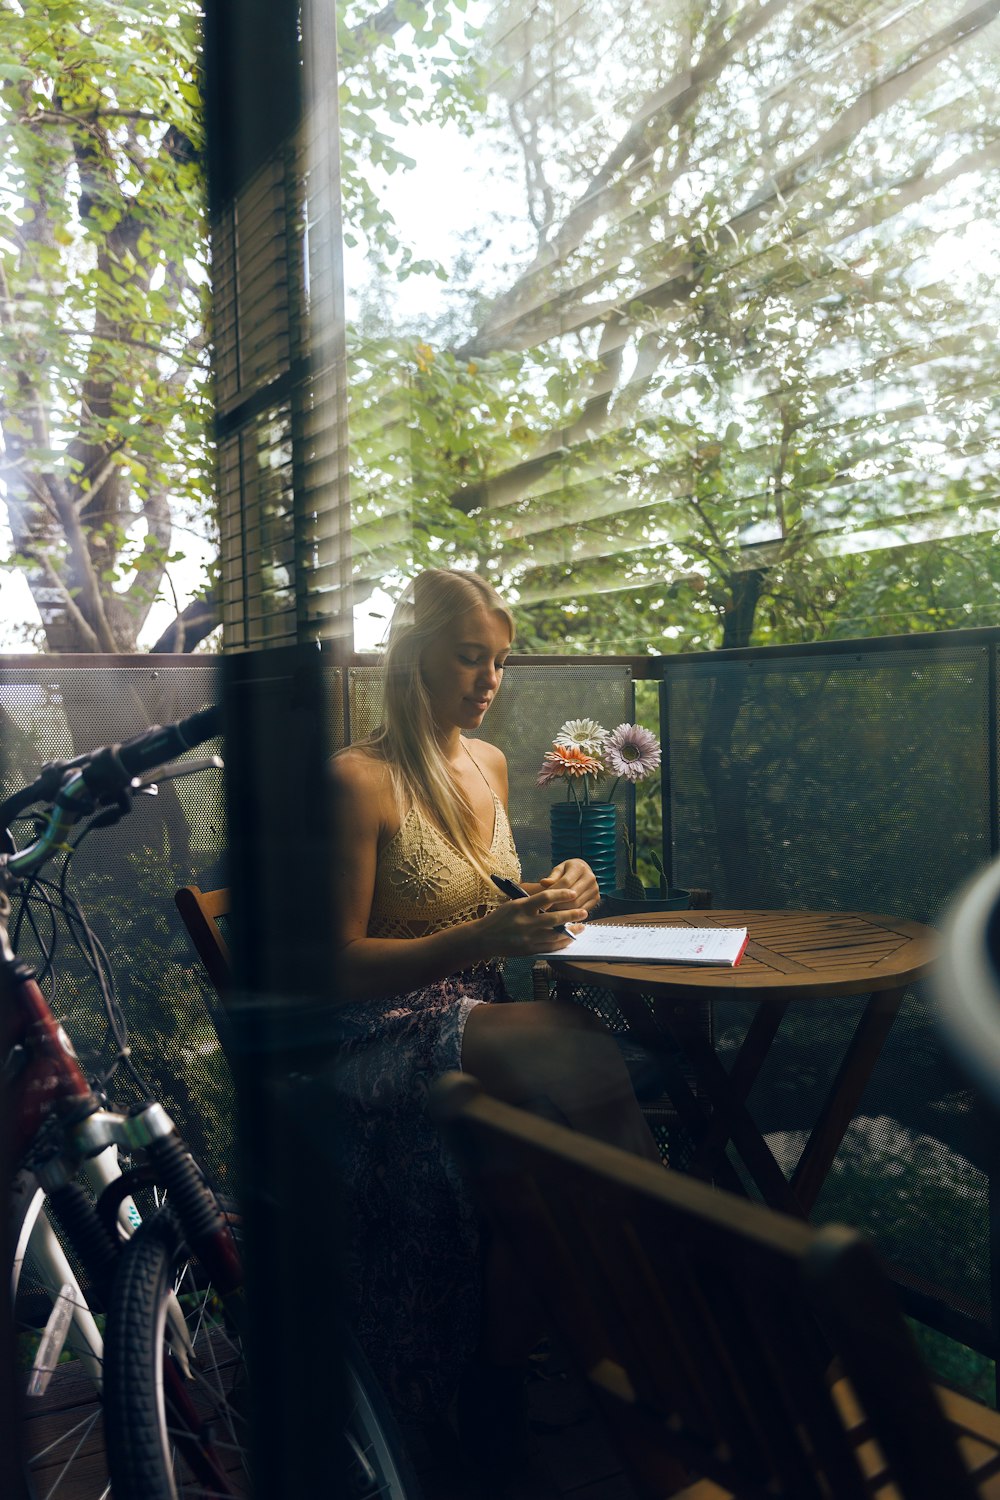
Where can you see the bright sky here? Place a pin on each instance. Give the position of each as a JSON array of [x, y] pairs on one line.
[[18, 610]]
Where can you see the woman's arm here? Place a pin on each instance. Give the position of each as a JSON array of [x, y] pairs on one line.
[[369, 966], [573, 875]]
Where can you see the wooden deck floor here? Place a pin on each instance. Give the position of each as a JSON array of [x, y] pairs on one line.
[[570, 1458]]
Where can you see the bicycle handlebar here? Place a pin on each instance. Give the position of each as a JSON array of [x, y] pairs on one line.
[[101, 775], [110, 770]]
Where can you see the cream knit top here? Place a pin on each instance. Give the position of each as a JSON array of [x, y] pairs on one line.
[[423, 884]]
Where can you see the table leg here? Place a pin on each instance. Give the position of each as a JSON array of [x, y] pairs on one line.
[[742, 1076], [667, 1047], [727, 1117], [741, 1129], [845, 1095]]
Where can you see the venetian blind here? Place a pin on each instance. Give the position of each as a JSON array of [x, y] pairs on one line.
[[746, 316], [279, 366]]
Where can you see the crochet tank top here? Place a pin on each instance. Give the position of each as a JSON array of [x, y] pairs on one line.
[[423, 884]]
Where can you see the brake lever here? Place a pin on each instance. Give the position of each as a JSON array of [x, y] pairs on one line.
[[149, 782]]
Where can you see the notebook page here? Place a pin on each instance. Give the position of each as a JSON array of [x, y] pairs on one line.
[[634, 943]]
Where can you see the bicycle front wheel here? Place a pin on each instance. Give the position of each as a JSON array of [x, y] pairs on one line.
[[177, 1418], [61, 1435], [175, 1389]]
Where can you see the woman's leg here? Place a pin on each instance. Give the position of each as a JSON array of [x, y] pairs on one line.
[[557, 1059], [554, 1057]]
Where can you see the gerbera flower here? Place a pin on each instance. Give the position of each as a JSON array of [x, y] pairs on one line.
[[567, 762], [631, 751], [585, 734]]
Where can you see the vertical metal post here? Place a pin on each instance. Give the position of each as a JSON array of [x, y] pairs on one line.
[[993, 773], [666, 799], [280, 831], [993, 746]]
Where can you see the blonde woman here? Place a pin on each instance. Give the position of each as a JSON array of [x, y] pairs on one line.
[[420, 930]]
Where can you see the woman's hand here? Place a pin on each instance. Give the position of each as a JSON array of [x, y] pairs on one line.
[[574, 875], [529, 925]]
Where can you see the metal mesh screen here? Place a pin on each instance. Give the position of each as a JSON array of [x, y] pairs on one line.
[[852, 781], [124, 878], [847, 781], [831, 781]]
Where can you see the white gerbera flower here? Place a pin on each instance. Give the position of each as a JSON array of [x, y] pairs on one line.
[[632, 752], [582, 734]]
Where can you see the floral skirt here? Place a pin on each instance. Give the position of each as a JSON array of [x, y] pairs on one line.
[[414, 1269]]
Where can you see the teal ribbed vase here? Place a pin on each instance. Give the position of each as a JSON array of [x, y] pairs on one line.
[[590, 833]]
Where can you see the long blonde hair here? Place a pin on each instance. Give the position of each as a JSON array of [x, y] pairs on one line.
[[433, 602]]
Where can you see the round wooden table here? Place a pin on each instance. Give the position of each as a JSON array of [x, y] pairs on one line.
[[792, 956]]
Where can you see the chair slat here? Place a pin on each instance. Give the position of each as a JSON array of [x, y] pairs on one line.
[[734, 1351], [200, 912]]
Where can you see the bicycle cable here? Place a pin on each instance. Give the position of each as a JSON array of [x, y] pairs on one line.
[[102, 967], [60, 902]]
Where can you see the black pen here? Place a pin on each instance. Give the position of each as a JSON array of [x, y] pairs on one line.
[[514, 891]]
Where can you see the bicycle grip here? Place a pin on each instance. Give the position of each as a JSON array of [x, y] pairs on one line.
[[113, 768]]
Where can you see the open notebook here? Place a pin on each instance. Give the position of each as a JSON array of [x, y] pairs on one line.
[[635, 943]]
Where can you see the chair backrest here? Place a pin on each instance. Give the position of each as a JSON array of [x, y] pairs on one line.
[[200, 912], [706, 1325]]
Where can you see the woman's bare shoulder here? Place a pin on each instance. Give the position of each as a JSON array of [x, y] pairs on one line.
[[357, 770], [489, 756], [493, 763]]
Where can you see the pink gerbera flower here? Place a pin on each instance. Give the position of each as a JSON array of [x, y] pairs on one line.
[[567, 762], [631, 751]]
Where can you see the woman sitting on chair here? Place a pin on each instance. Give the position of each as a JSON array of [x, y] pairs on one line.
[[421, 928]]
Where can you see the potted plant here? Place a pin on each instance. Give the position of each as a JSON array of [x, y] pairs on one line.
[[582, 754], [635, 897]]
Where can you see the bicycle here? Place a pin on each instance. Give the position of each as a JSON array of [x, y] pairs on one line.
[[134, 1316]]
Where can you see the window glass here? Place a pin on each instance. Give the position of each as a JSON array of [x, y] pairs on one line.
[[676, 319]]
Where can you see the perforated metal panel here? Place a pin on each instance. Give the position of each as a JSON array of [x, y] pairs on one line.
[[125, 878], [848, 780], [851, 780]]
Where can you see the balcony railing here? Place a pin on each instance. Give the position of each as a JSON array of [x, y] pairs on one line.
[[848, 775]]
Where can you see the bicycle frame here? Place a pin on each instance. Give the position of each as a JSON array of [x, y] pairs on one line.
[[61, 1127], [48, 1084]]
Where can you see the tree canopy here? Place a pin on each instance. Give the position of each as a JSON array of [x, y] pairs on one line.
[[104, 402], [706, 359], [733, 382]]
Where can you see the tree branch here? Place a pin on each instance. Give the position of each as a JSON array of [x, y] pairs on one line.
[[509, 324], [667, 104], [90, 640], [192, 625]]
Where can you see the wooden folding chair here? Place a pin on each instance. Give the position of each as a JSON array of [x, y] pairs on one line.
[[733, 1352], [200, 912]]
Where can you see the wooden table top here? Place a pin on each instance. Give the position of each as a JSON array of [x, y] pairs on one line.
[[791, 954]]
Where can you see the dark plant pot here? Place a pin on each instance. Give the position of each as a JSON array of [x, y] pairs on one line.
[[589, 833], [617, 904]]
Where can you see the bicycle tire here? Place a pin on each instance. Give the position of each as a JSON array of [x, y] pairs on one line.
[[152, 1454], [146, 1456], [379, 1466], [61, 1433]]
